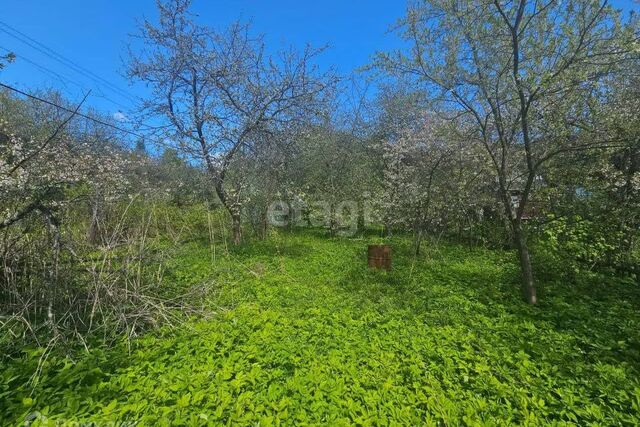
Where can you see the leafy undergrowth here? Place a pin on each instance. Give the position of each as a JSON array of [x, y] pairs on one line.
[[302, 332]]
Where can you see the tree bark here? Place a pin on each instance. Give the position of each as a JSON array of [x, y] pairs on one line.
[[417, 241], [289, 218], [333, 222], [264, 226], [519, 236], [54, 229], [360, 225], [528, 284], [234, 211], [236, 227]]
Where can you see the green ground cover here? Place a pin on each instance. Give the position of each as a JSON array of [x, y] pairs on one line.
[[303, 333]]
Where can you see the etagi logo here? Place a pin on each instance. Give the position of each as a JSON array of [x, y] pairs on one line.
[[342, 217]]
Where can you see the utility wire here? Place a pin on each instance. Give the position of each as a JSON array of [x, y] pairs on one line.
[[24, 38], [44, 69], [75, 67], [63, 60], [41, 47], [61, 78], [77, 113]]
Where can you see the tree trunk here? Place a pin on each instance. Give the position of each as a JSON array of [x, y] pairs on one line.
[[333, 222], [264, 224], [417, 241], [306, 215], [418, 226], [234, 211], [514, 222], [54, 229], [236, 227], [289, 217], [528, 284], [360, 225]]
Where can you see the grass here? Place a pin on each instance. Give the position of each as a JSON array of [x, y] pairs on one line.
[[303, 333]]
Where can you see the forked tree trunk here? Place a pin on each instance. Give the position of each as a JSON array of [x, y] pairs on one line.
[[528, 284], [234, 211]]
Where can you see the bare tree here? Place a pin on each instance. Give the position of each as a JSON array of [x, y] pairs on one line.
[[219, 92]]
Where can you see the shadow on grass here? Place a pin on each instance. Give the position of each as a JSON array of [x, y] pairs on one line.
[[595, 320], [598, 315], [285, 248]]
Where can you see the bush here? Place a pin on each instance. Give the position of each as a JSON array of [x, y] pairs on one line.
[[117, 287], [563, 246]]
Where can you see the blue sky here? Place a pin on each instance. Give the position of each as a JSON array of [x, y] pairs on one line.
[[93, 34]]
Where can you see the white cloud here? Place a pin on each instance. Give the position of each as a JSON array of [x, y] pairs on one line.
[[120, 116]]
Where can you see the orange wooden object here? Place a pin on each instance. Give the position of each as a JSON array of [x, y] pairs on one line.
[[380, 256]]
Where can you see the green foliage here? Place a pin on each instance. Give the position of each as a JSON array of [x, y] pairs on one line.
[[304, 333], [566, 245], [489, 232]]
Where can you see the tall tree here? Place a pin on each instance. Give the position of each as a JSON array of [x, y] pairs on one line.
[[220, 92], [523, 71]]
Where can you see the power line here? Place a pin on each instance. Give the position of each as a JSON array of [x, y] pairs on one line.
[[30, 41], [77, 113], [24, 38], [52, 73], [64, 79], [41, 47], [63, 61], [60, 77]]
